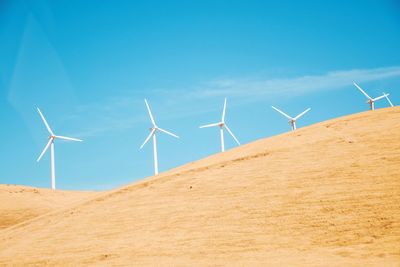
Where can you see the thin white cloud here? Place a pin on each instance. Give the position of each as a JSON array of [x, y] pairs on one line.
[[254, 88], [124, 112]]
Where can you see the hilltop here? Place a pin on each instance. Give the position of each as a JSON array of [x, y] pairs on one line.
[[323, 195], [21, 203]]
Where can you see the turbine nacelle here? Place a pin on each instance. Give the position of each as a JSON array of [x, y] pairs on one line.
[[50, 144], [222, 125], [292, 121], [152, 134], [371, 101]]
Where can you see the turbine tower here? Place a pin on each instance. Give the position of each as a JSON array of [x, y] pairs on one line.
[[153, 131], [292, 121], [387, 98], [50, 144], [371, 101], [222, 125]]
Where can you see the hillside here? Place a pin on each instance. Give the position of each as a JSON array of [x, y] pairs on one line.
[[21, 203], [324, 195]]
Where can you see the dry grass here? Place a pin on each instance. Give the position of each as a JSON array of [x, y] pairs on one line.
[[21, 203], [324, 195]]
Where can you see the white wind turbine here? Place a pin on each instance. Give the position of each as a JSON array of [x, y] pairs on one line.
[[371, 101], [292, 121], [387, 98], [222, 125], [153, 131], [50, 144]]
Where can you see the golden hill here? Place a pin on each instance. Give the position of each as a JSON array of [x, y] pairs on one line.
[[21, 203], [324, 195]]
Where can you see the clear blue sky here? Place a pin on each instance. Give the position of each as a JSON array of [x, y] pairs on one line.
[[89, 64]]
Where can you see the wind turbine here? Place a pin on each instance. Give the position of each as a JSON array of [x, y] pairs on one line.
[[387, 98], [153, 131], [292, 121], [222, 125], [50, 144], [371, 101]]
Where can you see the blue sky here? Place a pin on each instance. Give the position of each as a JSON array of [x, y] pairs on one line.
[[89, 64]]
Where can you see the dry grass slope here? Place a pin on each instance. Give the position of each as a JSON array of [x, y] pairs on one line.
[[324, 195], [21, 203]]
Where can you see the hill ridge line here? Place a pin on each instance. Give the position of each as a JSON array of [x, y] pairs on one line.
[[175, 172]]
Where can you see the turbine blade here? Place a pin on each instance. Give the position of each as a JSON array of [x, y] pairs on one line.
[[68, 138], [362, 91], [44, 150], [234, 137], [301, 114], [283, 113], [210, 125], [379, 97], [165, 131], [151, 115], [45, 122], [148, 138], [223, 111], [387, 98]]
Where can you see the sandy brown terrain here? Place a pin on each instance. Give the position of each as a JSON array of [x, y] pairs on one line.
[[324, 195], [22, 203]]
